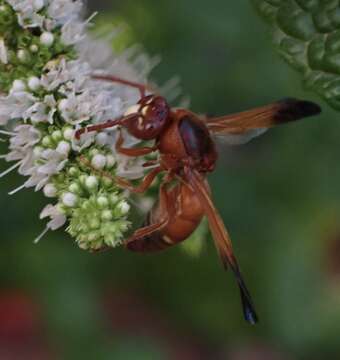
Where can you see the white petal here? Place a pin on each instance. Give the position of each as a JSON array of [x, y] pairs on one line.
[[10, 169], [38, 238], [3, 52], [17, 189]]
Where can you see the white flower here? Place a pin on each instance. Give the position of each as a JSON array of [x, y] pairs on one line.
[[91, 182], [54, 162], [41, 111], [73, 32], [58, 219], [102, 139], [90, 49], [24, 137], [59, 72], [14, 105], [63, 11], [63, 148], [76, 108], [22, 145], [39, 4], [34, 83], [124, 207], [68, 134], [50, 162], [53, 104], [69, 199], [37, 180], [18, 85], [3, 52], [98, 161], [86, 140], [47, 38], [129, 168], [50, 190], [27, 11], [110, 161]]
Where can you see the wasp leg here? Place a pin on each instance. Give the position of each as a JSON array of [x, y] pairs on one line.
[[98, 127], [133, 152], [137, 239], [144, 185], [124, 183], [141, 87]]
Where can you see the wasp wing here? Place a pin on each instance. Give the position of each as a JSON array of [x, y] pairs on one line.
[[238, 138], [239, 128], [222, 239]]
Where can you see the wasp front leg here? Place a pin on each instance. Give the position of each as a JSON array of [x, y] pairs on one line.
[[98, 127], [133, 152]]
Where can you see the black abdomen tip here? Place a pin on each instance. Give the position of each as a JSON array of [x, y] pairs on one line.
[[294, 109]]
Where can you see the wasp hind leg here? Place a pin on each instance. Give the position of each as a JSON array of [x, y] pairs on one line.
[[150, 238]]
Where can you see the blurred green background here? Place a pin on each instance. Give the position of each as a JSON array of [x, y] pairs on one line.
[[279, 196]]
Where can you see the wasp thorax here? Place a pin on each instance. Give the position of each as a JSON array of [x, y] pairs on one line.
[[151, 115]]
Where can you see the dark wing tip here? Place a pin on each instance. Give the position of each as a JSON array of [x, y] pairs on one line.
[[248, 309], [294, 109], [247, 303]]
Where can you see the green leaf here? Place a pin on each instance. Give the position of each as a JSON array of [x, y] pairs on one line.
[[307, 35], [194, 245]]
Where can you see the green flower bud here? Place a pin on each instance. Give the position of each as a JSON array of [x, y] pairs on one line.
[[84, 191], [107, 215], [57, 135], [24, 56], [47, 141], [122, 208], [91, 183], [94, 223], [113, 199], [34, 48], [106, 181], [102, 202], [110, 161], [75, 188], [73, 171]]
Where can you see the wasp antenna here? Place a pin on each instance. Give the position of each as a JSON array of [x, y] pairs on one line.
[[295, 109]]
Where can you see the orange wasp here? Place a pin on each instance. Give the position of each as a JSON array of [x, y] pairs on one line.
[[186, 154]]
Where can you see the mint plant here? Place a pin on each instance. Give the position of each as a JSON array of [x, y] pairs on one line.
[[306, 34]]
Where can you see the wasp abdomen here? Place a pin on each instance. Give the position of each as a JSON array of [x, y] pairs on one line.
[[180, 225]]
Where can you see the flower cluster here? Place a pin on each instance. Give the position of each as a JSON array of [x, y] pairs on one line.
[[46, 93]]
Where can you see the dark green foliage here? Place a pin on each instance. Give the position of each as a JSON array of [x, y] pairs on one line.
[[307, 36]]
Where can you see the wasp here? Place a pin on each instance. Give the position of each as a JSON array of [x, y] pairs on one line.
[[186, 154]]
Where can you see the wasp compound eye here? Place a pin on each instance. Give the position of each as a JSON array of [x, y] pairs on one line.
[[152, 114]]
